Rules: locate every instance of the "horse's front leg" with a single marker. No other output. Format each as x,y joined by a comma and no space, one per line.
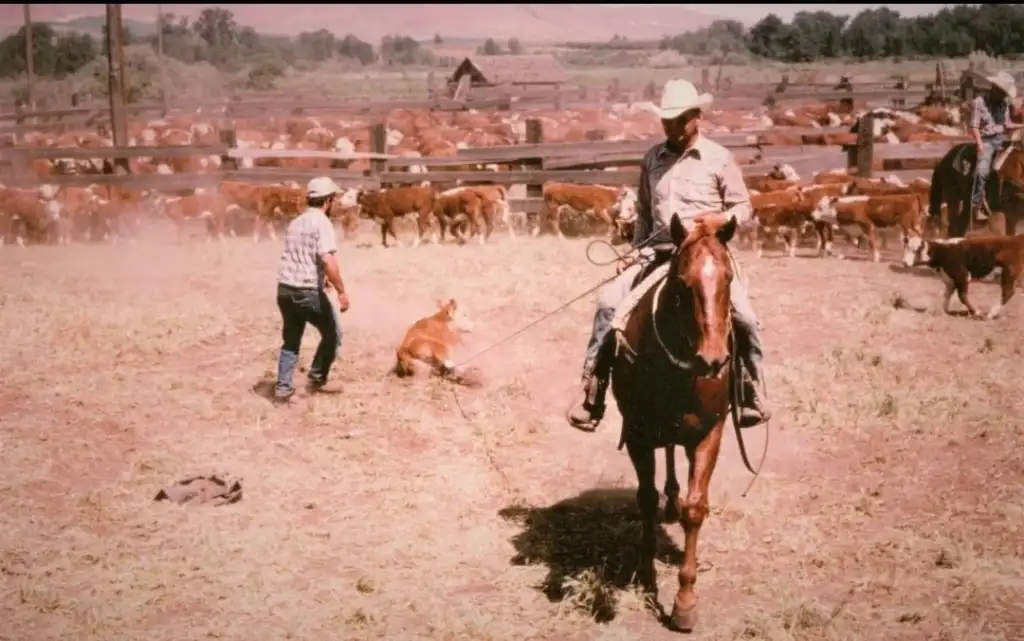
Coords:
693,510
671,486
647,501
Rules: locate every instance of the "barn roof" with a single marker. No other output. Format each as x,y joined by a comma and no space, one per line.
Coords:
518,69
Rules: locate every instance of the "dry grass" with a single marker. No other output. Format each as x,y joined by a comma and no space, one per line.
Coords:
890,507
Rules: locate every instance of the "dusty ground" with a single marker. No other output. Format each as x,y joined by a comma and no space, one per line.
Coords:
889,508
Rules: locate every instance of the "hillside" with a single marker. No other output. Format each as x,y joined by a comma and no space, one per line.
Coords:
528,22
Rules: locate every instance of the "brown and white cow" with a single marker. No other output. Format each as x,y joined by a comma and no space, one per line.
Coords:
867,213
774,214
205,205
960,260
613,205
385,205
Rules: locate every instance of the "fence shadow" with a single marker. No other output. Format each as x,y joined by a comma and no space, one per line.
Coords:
589,544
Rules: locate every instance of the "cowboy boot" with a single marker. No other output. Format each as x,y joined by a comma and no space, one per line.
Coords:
753,406
587,414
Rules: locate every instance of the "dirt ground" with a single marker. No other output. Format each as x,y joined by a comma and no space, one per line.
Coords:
889,507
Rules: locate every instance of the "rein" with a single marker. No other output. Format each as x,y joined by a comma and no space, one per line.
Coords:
734,371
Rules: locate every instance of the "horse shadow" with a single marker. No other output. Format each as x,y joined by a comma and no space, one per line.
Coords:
590,546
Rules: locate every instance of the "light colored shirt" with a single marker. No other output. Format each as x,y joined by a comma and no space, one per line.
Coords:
704,178
308,237
988,119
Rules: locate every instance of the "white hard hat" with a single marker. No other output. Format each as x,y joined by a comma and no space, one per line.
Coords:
320,187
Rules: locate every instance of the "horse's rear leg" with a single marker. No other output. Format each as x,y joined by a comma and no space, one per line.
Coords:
671,486
647,501
693,510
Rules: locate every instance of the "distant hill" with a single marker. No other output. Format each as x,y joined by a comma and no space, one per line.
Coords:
537,23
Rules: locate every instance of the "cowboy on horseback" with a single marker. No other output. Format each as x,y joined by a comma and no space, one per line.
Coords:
988,121
699,181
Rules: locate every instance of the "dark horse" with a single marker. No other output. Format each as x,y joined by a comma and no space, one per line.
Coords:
671,379
953,179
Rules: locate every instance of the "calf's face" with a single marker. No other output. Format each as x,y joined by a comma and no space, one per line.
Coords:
458,319
915,250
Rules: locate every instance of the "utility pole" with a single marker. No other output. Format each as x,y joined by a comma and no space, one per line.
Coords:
29,62
115,66
160,56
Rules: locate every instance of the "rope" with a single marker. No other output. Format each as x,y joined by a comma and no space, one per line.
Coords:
619,256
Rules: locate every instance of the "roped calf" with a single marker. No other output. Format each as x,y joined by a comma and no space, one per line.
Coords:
430,343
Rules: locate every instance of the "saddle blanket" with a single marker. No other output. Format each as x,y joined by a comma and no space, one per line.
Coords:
626,308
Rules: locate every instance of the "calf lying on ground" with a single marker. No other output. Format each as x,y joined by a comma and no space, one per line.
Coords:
959,260
431,341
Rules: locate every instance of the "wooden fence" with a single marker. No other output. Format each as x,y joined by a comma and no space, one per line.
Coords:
502,98
538,162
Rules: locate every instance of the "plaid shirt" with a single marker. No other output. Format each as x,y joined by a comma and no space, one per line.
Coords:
703,178
988,122
308,237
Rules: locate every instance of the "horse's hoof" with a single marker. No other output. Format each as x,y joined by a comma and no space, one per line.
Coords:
684,619
671,512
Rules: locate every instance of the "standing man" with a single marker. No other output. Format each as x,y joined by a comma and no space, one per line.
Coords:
309,261
698,180
988,121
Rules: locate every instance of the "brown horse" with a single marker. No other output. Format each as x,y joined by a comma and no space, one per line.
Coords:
1009,169
953,179
671,377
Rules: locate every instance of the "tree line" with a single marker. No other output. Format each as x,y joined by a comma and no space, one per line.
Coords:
996,29
214,37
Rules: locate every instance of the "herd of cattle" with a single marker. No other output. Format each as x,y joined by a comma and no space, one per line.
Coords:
784,205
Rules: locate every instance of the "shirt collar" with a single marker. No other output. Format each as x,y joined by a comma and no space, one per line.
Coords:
696,150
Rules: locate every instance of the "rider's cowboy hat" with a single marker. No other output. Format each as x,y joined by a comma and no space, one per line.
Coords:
1004,81
678,97
321,187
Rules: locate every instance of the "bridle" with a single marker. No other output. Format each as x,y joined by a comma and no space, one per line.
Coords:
686,365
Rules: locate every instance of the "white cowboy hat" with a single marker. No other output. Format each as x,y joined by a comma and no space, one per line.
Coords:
320,187
1004,81
678,97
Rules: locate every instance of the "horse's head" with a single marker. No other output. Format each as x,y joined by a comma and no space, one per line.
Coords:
703,275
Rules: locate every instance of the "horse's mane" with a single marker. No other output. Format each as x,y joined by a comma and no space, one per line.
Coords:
700,232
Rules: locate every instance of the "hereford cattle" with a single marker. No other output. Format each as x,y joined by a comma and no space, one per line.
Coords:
867,213
787,217
609,204
429,344
204,205
30,214
385,205
959,260
456,208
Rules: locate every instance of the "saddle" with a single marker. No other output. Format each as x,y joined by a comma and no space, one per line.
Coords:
966,159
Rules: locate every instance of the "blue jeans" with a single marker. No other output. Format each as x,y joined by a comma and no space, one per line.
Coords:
298,307
990,146
744,320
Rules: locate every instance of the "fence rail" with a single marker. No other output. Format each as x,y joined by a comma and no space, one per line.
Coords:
539,162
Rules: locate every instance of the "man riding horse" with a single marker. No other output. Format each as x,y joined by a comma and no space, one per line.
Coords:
988,122
699,181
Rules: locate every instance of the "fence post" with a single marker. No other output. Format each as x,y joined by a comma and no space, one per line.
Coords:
705,79
229,137
865,149
902,85
378,145
534,136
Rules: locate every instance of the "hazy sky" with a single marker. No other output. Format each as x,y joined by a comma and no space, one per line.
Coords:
751,13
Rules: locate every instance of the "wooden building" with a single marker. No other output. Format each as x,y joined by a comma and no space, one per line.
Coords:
539,71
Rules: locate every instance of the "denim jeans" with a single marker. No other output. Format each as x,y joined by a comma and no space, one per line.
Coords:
986,155
744,320
299,307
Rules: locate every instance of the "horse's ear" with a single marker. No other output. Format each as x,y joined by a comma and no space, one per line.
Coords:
726,231
675,227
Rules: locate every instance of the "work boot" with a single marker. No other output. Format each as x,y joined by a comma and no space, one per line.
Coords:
587,415
980,214
754,409
314,386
